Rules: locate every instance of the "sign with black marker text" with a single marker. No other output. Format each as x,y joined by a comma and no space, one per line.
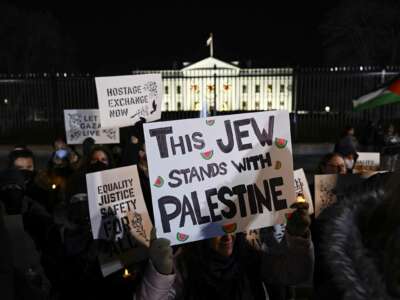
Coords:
123,100
118,215
81,124
219,175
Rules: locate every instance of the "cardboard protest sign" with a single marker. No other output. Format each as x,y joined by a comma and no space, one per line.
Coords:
84,123
324,191
219,175
367,162
301,188
123,100
118,215
331,186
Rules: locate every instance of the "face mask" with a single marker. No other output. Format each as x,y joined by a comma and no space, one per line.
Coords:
28,176
97,167
349,163
12,199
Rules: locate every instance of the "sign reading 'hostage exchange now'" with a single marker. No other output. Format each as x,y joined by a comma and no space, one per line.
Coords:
219,175
123,100
118,214
81,124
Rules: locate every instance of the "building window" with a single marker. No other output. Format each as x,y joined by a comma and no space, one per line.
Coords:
257,105
166,89
178,89
244,105
257,88
282,103
166,106
282,88
269,88
289,87
179,106
244,89
269,104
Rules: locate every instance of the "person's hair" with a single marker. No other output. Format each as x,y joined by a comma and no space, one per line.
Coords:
96,148
15,154
324,161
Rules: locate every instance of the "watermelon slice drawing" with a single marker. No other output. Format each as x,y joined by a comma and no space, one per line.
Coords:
159,182
288,216
210,122
181,236
229,228
207,154
280,143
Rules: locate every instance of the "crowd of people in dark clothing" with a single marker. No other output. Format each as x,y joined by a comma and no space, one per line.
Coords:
47,251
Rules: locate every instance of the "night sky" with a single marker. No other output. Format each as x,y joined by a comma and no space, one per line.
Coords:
116,36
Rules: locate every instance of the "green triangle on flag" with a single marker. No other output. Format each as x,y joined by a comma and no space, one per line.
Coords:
387,95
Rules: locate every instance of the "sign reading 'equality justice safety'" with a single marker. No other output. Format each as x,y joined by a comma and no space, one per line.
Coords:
219,175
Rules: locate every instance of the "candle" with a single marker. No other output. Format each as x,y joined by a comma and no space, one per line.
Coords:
126,274
300,198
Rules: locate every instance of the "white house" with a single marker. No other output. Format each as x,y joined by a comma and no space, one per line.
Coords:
230,87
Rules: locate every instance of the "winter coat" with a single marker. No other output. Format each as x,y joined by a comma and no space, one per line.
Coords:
347,266
25,278
293,265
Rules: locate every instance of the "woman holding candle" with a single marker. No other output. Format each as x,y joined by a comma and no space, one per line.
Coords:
227,267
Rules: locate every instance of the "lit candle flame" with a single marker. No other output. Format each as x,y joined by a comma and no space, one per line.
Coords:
126,274
53,186
300,198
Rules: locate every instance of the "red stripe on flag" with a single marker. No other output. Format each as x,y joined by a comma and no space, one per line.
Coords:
395,87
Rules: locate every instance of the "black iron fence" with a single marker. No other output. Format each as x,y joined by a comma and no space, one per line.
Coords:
31,106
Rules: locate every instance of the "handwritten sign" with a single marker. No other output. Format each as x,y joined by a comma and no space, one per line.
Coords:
331,187
118,215
367,162
301,188
324,191
219,175
85,123
123,100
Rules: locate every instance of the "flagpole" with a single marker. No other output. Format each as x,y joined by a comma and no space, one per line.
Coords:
212,45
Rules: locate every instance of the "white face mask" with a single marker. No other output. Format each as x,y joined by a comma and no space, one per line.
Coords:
349,163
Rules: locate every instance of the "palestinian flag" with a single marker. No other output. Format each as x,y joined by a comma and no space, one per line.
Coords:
388,94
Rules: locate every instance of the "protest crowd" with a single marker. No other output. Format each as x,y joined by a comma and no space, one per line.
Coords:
348,248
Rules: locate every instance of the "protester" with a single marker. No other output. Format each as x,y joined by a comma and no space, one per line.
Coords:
360,242
391,149
332,163
347,148
24,222
228,267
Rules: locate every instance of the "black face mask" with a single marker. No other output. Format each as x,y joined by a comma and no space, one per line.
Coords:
29,176
12,199
97,167
62,171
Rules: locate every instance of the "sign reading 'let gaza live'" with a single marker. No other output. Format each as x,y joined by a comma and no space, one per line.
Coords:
123,100
219,175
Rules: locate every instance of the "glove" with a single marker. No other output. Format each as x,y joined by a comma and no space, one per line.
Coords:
161,254
299,221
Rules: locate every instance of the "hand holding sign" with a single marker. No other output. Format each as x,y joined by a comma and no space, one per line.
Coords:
161,254
299,221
